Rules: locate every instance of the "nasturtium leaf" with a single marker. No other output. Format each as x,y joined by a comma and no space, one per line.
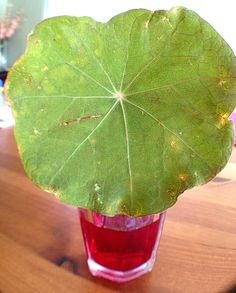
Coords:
122,117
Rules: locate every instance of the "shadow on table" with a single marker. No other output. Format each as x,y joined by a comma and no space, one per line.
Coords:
231,289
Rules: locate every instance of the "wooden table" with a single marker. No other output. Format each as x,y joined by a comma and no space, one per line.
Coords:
41,247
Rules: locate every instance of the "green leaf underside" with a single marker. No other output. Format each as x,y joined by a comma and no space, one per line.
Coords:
122,117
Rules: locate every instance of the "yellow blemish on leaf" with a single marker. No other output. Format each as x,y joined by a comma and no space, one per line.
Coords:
146,24
19,149
148,21
52,191
44,69
97,187
165,18
222,82
175,10
173,144
226,115
13,111
223,119
183,177
30,34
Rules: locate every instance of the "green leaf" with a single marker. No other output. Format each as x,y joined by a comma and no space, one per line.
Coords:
122,117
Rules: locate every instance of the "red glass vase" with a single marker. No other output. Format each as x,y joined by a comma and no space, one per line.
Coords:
120,248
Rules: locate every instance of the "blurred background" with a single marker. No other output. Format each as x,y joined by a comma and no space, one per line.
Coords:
220,14
18,18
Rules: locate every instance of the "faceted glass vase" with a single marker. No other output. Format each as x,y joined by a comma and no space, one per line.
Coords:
120,248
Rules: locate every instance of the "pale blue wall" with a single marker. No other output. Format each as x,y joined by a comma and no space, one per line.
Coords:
219,13
33,13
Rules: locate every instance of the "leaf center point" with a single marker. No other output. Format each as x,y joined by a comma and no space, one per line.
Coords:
119,96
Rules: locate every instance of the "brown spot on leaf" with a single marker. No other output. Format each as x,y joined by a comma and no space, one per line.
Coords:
81,119
183,177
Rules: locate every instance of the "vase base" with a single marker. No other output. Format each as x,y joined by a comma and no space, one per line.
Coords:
120,276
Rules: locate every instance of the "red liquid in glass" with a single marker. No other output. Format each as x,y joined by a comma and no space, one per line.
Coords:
119,250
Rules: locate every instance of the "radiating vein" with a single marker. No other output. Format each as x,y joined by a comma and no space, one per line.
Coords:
109,172
97,60
171,84
88,76
164,126
127,57
127,146
152,61
65,96
124,70
204,116
82,143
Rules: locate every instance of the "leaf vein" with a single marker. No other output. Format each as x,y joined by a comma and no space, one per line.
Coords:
65,96
127,148
171,85
152,61
127,56
97,60
88,76
82,143
164,126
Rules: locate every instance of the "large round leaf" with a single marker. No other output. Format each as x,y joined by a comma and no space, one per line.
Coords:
122,117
